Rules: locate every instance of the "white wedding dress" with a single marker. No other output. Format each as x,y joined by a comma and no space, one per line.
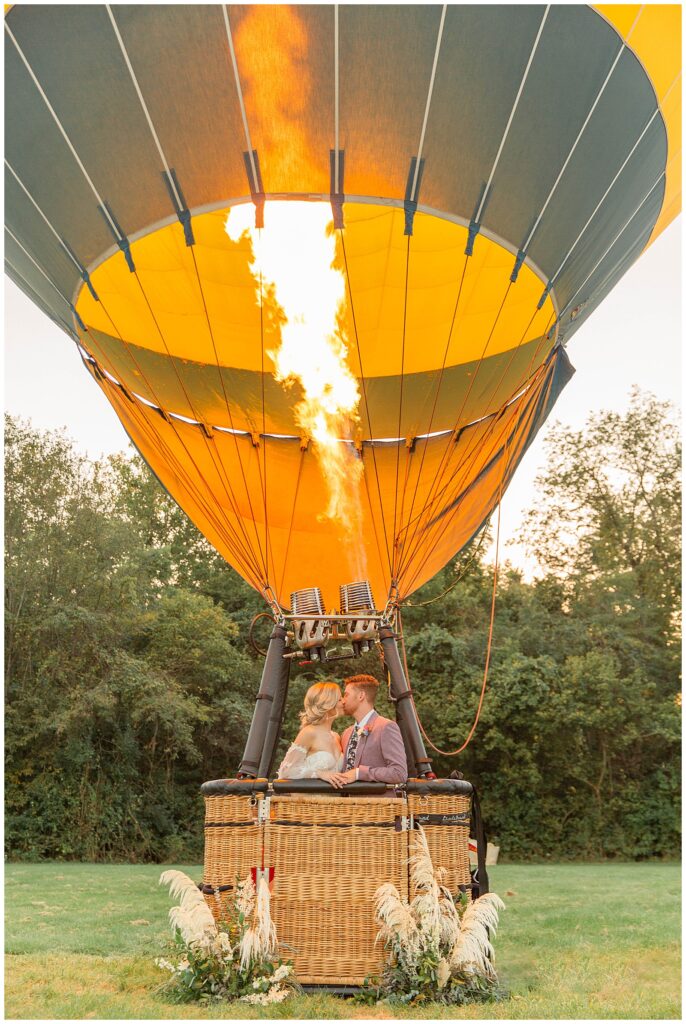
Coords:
298,764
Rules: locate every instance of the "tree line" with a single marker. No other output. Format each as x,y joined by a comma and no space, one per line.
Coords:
130,679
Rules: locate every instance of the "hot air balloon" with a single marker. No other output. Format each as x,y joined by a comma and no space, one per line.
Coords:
325,262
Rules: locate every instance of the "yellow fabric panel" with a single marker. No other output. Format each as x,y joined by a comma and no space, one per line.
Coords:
225,484
671,204
481,500
654,35
377,254
656,41
201,303
439,499
162,306
218,481
622,16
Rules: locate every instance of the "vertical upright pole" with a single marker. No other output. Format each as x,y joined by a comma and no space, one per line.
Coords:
272,676
404,711
275,720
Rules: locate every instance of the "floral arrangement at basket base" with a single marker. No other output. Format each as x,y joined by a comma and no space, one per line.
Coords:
234,958
440,951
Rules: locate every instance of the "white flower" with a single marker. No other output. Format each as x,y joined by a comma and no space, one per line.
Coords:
275,995
165,965
221,944
279,974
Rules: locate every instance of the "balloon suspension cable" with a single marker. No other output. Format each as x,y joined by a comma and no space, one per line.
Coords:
274,606
390,612
458,579
454,753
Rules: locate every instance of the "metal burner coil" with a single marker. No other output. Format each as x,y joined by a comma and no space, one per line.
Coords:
307,602
356,597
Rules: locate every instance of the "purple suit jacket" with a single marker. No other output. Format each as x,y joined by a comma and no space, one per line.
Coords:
380,754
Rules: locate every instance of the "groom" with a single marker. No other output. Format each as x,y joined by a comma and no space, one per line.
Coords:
373,748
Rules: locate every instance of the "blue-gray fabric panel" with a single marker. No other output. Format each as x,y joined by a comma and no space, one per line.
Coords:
75,55
40,156
632,187
613,267
616,124
26,223
574,55
180,55
561,373
27,271
463,394
34,297
471,103
386,55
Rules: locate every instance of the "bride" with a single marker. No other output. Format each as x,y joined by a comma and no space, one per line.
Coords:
316,752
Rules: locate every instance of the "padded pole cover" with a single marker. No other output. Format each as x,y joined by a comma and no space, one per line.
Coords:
275,721
405,713
272,676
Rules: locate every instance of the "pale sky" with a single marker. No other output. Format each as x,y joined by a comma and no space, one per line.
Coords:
632,338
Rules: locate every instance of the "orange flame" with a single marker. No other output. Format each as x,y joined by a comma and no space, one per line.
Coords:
272,46
293,257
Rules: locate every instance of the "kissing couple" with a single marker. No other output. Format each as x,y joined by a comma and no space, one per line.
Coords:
370,751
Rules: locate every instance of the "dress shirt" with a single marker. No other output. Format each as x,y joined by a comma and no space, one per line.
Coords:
359,726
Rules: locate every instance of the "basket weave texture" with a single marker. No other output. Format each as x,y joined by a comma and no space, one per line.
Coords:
445,820
233,844
328,855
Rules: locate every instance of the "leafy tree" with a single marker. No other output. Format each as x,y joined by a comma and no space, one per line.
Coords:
123,691
130,680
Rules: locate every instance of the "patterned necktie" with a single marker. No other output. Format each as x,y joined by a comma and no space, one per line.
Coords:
352,747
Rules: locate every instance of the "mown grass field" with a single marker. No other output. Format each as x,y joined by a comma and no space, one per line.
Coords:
576,941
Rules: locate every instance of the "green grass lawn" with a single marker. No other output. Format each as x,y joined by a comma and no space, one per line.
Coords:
576,941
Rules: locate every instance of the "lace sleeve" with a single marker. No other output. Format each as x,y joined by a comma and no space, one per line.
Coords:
294,764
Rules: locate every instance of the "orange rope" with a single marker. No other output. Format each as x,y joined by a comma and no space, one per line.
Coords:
453,753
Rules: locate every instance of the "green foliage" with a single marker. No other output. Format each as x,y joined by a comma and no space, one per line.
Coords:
464,987
226,960
577,752
439,950
124,690
130,680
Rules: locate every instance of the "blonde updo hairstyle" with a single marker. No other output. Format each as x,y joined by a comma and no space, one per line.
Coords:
320,699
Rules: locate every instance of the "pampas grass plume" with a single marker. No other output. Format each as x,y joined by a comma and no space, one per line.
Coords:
259,940
473,946
192,917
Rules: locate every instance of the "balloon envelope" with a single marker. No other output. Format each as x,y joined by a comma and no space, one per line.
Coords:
493,172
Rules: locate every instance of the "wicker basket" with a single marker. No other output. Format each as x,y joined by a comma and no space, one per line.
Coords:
326,856
233,845
445,820
329,856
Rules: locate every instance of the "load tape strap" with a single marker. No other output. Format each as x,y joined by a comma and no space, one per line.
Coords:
461,820
340,824
230,824
210,890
